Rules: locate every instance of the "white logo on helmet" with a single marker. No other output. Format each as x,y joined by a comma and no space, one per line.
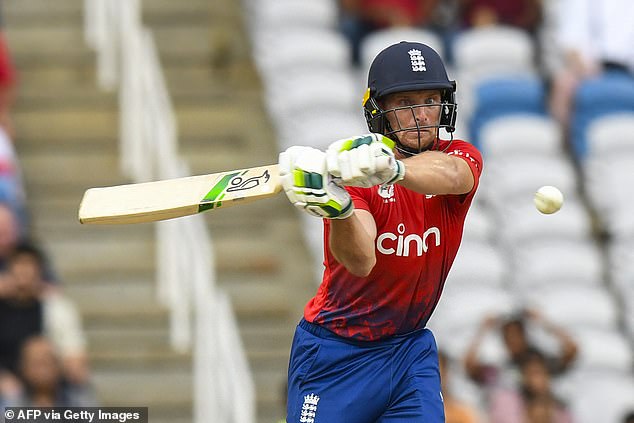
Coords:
387,242
417,60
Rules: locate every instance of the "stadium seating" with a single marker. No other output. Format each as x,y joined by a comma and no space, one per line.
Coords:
480,264
621,264
271,14
611,93
577,307
376,41
516,178
553,261
513,53
599,396
520,133
286,50
520,224
611,134
309,90
478,225
605,178
502,96
511,255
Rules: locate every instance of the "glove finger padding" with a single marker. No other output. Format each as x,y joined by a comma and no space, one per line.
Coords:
308,185
364,161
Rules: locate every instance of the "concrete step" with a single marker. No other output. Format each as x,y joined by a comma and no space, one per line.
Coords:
42,12
139,360
256,295
144,387
184,44
56,211
90,124
169,12
99,121
104,254
70,171
270,387
50,39
74,95
116,294
51,76
151,320
129,339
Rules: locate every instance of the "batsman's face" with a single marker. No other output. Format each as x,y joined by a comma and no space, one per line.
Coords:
414,114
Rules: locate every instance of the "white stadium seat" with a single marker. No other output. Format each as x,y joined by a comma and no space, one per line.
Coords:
266,14
312,90
605,178
575,306
320,129
376,41
494,50
478,224
621,264
521,134
556,261
456,342
461,307
611,134
603,399
478,264
282,50
602,350
504,181
521,223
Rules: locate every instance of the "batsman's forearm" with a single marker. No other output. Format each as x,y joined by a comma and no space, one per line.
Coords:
352,244
434,172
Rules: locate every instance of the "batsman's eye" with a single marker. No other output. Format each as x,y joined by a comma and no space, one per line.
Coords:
404,102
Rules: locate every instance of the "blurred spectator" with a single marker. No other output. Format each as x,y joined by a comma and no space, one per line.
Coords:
522,14
31,306
7,85
12,191
629,417
518,345
590,37
12,232
455,410
43,381
361,17
21,316
533,401
9,233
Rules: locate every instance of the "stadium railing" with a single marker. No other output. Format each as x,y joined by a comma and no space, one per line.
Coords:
201,316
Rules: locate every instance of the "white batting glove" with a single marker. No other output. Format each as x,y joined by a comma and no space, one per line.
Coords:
364,161
309,186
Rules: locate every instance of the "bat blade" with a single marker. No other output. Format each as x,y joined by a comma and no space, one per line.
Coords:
171,198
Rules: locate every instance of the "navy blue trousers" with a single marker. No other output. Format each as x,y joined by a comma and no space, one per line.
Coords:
332,379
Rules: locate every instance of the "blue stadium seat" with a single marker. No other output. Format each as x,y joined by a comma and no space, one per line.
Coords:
506,96
611,93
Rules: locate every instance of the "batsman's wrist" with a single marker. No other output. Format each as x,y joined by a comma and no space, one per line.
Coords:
346,212
399,172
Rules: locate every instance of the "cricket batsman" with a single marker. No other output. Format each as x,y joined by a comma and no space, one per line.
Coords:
393,203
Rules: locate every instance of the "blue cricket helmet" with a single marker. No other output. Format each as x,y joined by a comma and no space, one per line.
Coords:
407,66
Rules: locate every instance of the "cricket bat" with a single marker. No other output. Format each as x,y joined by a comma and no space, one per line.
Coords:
170,198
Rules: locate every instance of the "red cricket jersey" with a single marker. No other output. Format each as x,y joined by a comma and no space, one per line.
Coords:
418,237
